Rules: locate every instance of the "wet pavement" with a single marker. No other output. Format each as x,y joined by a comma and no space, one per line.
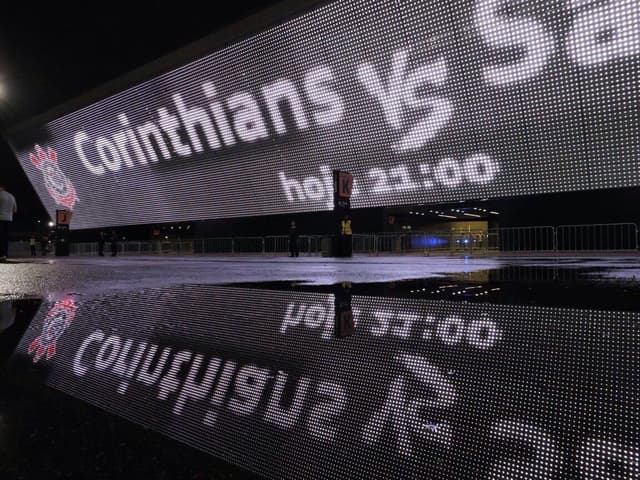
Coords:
379,367
88,276
40,278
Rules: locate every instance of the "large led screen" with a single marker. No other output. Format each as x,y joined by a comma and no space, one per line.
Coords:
424,389
423,101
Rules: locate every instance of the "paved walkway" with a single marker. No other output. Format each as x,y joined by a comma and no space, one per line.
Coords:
87,275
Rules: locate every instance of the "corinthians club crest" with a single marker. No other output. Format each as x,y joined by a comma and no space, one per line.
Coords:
58,184
55,324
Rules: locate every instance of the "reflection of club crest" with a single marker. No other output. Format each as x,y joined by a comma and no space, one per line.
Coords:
58,184
57,321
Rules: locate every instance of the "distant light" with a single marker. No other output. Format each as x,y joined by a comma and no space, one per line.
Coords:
166,238
179,228
411,213
51,224
495,213
447,216
472,215
38,221
171,228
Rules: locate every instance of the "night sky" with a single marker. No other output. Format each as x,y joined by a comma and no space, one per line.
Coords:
53,52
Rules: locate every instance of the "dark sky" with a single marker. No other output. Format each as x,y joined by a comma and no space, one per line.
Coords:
54,51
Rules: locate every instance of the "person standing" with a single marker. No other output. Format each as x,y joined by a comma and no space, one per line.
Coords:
114,243
294,250
32,245
102,239
8,207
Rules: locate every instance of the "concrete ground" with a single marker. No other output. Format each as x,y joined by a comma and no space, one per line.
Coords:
52,276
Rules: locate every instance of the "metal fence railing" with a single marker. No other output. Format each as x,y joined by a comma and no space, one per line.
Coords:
451,242
601,237
519,239
20,249
612,237
89,248
214,245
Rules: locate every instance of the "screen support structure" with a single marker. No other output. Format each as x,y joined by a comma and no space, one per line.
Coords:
63,220
342,187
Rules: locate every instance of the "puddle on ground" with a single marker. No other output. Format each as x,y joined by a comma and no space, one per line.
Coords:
513,373
594,287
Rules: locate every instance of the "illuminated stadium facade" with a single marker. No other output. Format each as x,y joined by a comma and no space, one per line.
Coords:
428,103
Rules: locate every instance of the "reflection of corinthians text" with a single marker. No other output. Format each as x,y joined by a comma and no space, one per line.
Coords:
415,411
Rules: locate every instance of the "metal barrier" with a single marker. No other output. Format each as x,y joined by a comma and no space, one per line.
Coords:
21,249
130,248
309,245
315,244
427,243
575,238
85,249
364,243
464,242
248,245
269,245
522,239
214,245
601,237
279,245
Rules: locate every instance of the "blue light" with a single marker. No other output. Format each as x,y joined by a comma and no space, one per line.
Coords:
427,242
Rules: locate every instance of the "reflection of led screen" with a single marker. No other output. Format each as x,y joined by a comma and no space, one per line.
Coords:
423,101
423,389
